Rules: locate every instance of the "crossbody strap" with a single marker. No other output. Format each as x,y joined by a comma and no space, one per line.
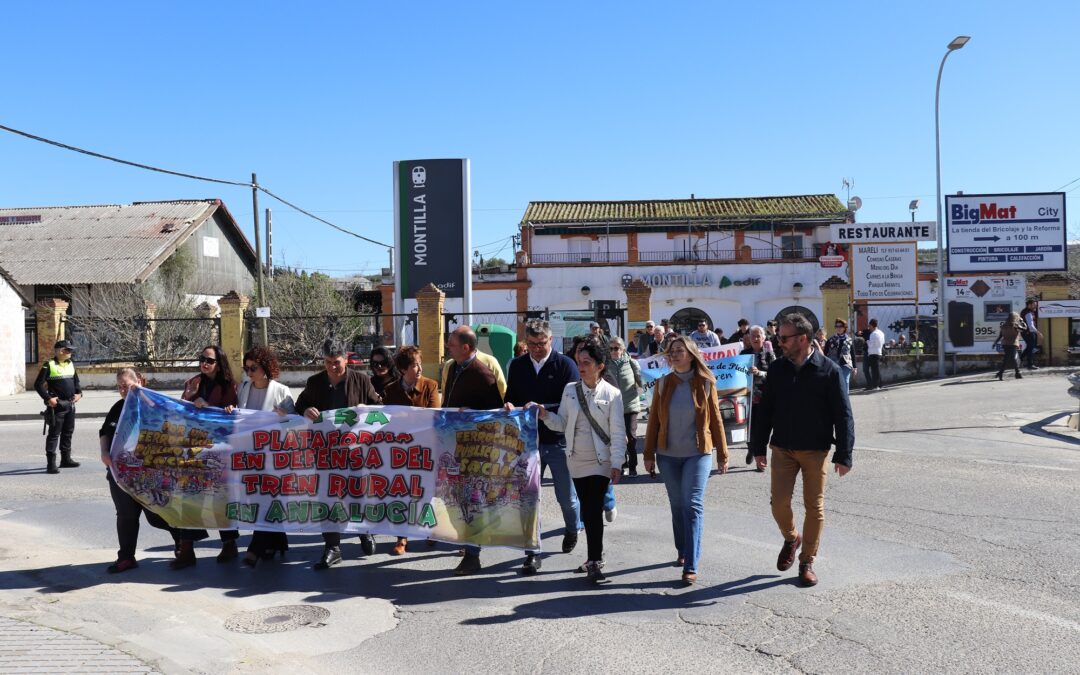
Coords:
588,415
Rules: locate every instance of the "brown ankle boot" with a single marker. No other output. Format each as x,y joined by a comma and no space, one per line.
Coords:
185,555
228,551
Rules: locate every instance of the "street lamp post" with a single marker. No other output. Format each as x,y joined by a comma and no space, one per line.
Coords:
957,43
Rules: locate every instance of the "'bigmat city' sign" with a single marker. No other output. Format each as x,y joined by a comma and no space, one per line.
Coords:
431,217
1006,233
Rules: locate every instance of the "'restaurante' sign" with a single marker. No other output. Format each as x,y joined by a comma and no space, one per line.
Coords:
860,233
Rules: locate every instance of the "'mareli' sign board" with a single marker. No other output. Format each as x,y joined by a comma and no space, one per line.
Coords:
884,271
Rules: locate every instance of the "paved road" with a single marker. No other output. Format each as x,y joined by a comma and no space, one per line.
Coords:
951,546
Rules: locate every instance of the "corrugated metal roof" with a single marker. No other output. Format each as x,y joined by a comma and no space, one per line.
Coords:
96,244
799,207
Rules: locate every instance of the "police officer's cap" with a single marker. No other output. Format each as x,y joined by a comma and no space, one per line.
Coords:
64,344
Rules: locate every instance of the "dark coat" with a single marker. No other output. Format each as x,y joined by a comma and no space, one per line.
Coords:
316,394
546,387
219,392
471,387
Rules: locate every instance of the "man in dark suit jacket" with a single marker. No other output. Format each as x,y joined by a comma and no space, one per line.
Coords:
336,387
539,376
470,384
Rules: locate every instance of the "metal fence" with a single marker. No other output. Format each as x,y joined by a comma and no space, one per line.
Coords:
910,321
167,341
511,320
299,340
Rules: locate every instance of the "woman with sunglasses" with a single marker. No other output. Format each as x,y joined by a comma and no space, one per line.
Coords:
838,349
262,391
412,389
215,387
383,371
623,372
684,429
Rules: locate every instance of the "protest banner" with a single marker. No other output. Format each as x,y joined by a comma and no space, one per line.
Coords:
468,477
734,384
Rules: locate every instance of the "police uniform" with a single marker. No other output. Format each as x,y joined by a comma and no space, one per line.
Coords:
58,379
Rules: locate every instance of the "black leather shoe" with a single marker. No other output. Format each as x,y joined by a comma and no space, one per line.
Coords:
569,541
367,544
749,456
532,564
68,463
331,555
470,564
228,552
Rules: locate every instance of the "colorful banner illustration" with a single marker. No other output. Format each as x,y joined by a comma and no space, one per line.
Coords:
734,384
462,477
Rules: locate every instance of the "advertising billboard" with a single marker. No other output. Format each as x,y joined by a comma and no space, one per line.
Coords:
976,308
1006,233
884,272
432,223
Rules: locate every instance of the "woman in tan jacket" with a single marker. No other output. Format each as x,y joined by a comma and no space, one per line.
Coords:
1009,337
684,428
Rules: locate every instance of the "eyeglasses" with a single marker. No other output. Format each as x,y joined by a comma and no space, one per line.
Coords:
839,325
250,369
537,344
207,359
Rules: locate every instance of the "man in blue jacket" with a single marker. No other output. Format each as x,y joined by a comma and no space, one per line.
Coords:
805,409
539,376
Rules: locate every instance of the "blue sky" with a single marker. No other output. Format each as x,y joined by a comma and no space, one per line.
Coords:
594,101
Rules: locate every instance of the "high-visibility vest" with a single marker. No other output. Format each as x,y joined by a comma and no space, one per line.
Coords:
60,370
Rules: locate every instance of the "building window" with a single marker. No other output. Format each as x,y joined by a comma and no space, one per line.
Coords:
792,246
580,249
684,248
211,247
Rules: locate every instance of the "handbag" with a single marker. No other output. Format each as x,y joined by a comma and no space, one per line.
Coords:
588,415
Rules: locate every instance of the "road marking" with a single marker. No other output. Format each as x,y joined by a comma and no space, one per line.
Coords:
895,452
1026,466
1018,611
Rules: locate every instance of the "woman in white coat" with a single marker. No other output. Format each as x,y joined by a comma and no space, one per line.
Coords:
262,391
591,416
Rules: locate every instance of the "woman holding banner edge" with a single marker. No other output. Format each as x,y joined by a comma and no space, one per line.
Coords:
591,415
684,429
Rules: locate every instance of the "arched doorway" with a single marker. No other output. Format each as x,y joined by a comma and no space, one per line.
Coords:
799,309
685,320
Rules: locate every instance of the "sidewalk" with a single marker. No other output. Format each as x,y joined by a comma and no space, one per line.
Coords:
28,405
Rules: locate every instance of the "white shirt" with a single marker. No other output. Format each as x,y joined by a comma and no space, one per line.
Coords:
537,365
876,342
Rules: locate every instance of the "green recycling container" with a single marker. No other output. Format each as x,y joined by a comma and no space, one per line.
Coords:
496,340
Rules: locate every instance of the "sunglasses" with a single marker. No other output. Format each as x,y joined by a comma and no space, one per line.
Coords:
250,369
207,359
379,364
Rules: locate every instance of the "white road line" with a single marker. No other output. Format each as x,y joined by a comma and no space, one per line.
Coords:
1018,611
1026,466
895,452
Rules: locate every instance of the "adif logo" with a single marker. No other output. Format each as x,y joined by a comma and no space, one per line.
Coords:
752,281
419,175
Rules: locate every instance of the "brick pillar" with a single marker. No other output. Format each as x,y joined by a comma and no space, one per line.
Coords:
429,305
638,308
232,328
1055,340
632,248
387,309
50,326
835,301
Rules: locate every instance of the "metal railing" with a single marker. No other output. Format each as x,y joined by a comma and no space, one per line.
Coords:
298,340
141,340
771,254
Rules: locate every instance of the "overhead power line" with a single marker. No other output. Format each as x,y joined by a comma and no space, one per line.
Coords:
192,176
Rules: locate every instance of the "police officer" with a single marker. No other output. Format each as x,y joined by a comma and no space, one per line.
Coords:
58,385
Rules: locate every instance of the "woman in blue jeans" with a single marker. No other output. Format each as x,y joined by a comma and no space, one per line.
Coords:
683,430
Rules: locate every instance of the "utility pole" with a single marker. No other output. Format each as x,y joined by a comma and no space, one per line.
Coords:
269,243
258,257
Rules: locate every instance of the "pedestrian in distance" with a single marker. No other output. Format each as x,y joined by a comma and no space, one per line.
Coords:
411,389
520,348
1030,318
684,429
590,413
262,391
383,371
336,387
804,409
213,387
58,385
763,358
644,337
838,349
128,510
540,377
703,337
819,340
1009,339
623,372
469,385
657,341
875,343
740,332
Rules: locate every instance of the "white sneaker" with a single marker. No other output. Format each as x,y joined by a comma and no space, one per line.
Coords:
611,515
